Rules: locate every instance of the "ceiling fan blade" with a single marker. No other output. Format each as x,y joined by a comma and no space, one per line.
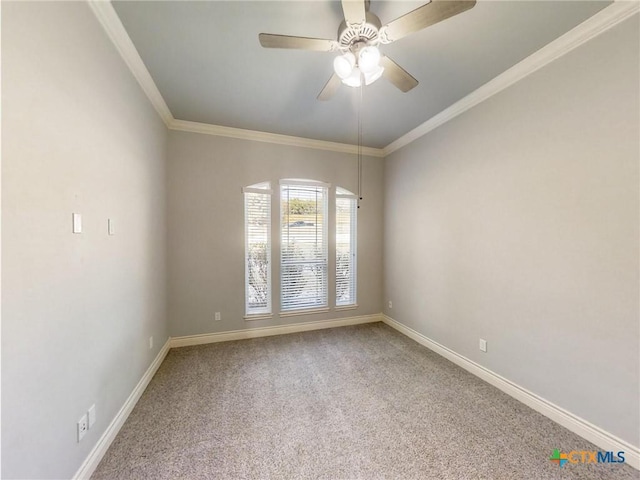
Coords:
353,11
397,75
422,17
330,88
268,40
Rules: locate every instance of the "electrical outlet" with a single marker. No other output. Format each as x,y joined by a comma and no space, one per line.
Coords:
217,317
83,426
150,343
483,345
92,415
390,304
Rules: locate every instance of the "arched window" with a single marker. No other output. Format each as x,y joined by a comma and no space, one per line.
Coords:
303,227
304,245
346,247
257,225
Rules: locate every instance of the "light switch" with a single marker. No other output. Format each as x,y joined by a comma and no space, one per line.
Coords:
110,227
77,223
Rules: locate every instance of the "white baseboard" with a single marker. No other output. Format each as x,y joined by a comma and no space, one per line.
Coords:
93,459
268,331
577,425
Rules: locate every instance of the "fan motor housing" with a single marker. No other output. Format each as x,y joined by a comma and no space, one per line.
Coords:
365,32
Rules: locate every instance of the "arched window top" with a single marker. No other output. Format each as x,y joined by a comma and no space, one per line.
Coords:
303,181
262,187
343,192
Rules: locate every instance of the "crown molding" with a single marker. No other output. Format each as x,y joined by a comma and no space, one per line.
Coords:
108,18
220,131
602,21
112,25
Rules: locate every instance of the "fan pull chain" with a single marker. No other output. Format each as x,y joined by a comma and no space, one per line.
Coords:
360,140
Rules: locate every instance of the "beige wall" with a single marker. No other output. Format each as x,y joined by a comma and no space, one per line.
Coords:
517,222
206,226
78,135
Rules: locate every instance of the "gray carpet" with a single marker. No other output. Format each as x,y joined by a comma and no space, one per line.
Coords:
360,402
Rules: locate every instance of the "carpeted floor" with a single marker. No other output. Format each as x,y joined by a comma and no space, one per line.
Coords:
360,402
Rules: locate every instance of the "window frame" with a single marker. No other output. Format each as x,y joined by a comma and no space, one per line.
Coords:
263,188
342,193
324,305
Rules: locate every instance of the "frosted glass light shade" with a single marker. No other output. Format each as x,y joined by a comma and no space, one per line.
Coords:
374,75
343,65
367,65
353,80
368,59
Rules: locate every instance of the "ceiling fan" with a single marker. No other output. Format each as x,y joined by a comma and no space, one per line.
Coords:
359,35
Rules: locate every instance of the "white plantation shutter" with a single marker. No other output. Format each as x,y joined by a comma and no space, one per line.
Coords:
346,260
257,224
304,254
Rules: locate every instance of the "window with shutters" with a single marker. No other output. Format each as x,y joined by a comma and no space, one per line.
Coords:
257,222
346,208
304,246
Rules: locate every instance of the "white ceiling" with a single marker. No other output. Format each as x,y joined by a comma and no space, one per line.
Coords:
208,65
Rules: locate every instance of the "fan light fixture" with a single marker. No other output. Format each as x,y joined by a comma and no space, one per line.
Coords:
359,35
350,69
344,65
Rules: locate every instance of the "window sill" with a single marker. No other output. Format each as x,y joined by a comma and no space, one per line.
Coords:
304,312
258,316
346,307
